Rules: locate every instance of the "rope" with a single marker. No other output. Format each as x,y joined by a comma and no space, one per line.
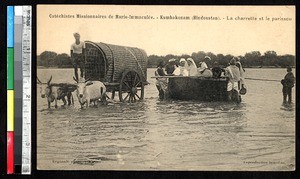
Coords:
261,79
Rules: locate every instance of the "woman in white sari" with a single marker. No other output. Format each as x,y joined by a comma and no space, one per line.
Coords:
183,67
192,68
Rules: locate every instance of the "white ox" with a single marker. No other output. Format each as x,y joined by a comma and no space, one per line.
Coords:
90,91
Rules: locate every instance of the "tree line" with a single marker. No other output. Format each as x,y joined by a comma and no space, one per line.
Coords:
251,59
52,59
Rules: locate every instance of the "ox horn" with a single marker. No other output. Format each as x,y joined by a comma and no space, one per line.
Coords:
39,81
75,79
49,80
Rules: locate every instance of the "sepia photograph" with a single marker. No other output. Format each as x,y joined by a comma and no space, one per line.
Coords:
166,88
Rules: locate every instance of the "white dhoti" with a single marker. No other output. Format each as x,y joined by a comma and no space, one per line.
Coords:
232,85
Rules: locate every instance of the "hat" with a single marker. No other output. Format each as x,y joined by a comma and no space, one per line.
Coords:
207,57
76,34
172,60
182,60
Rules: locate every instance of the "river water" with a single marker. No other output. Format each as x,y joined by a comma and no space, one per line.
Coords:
258,134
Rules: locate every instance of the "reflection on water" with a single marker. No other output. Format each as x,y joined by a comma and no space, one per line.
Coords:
169,135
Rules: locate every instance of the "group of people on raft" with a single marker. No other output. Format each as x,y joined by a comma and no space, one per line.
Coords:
234,71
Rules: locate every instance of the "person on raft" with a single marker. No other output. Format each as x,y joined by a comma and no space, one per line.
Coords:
78,55
161,83
176,72
287,85
203,69
170,67
183,67
233,73
217,70
192,67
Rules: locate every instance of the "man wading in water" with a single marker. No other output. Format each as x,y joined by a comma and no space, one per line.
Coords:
288,83
161,83
233,72
78,55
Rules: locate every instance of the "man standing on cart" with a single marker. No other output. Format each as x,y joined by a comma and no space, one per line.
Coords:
78,55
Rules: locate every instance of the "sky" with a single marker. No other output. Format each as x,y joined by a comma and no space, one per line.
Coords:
161,37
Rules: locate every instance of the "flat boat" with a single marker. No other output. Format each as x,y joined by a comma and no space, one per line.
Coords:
197,88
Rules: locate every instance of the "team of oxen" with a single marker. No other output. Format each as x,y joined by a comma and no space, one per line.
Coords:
87,92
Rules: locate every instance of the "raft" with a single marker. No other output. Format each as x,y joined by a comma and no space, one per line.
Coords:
197,88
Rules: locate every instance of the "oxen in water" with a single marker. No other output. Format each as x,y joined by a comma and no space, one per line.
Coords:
54,92
90,91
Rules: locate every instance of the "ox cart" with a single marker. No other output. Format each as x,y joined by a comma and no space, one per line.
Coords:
121,69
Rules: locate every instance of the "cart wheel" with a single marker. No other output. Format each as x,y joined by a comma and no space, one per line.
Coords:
131,87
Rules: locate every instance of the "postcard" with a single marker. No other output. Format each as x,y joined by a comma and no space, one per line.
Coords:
168,88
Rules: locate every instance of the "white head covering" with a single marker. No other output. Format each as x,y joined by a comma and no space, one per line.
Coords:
203,65
192,61
207,57
172,60
185,62
184,69
182,60
192,68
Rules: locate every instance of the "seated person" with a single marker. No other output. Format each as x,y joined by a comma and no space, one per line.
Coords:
203,70
170,67
183,67
217,70
192,68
